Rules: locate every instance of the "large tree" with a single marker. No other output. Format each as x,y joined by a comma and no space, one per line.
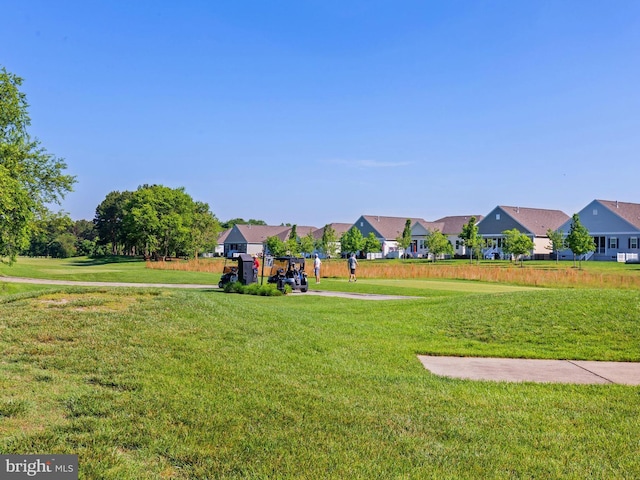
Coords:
579,240
204,229
30,177
108,220
47,230
159,220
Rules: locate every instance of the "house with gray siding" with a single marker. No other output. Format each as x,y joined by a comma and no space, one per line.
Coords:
615,228
533,222
250,238
386,230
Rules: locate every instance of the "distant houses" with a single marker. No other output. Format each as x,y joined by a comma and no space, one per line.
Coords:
533,222
614,226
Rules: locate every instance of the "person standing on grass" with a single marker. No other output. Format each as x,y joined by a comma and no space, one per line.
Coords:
316,267
256,267
353,263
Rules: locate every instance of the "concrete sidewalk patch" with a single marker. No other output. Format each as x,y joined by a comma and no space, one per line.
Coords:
524,370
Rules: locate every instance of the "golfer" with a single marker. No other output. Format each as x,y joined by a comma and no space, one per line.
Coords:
353,263
316,267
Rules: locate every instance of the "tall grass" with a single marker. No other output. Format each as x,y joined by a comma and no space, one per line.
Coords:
542,274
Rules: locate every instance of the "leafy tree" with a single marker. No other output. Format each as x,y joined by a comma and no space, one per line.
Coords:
517,244
438,244
30,177
307,243
84,230
405,239
371,244
556,239
328,241
471,238
158,220
293,235
276,247
108,220
579,240
240,221
204,228
64,246
45,232
351,241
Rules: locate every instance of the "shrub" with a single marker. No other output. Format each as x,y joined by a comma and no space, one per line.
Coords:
253,289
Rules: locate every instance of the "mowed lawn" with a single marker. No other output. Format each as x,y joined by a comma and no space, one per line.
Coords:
164,383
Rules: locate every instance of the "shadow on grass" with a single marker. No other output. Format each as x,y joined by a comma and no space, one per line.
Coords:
91,262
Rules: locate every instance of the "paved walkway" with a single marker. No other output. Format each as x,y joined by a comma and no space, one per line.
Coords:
322,293
522,370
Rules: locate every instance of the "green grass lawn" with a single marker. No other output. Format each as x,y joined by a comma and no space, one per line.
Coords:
113,269
153,383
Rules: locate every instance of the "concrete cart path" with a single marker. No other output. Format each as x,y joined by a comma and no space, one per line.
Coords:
543,371
322,293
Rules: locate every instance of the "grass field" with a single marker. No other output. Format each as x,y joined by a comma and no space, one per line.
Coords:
164,383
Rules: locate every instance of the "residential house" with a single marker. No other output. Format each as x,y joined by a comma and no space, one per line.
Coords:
615,228
219,250
451,226
533,222
250,238
339,229
386,230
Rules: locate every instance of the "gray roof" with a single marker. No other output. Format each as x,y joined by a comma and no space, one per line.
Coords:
260,233
452,225
391,228
628,211
339,228
536,220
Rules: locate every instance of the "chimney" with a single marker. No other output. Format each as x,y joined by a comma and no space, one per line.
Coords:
616,203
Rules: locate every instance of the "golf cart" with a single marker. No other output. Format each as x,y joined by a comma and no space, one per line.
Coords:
288,271
241,272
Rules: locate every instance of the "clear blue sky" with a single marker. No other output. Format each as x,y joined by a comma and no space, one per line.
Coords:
312,112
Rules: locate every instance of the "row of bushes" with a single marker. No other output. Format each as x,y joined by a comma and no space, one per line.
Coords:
268,290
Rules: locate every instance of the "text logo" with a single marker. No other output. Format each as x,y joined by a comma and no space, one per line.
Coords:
49,467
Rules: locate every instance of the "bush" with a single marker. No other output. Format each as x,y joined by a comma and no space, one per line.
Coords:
253,289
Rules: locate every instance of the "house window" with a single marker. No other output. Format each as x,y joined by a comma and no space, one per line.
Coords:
595,211
633,242
362,224
613,242
497,216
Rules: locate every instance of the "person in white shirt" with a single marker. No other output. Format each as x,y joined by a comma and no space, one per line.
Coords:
316,267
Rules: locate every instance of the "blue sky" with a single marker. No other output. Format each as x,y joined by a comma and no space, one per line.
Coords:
312,112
